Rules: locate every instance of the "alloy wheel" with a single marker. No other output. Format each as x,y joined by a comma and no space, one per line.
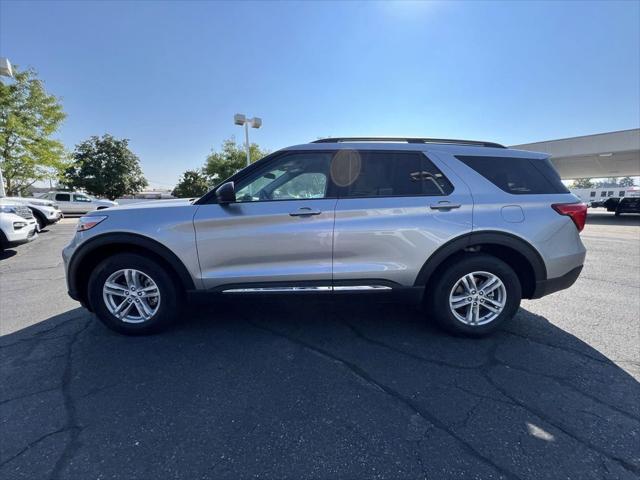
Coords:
131,295
477,298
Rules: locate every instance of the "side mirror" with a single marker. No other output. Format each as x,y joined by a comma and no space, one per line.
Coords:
226,193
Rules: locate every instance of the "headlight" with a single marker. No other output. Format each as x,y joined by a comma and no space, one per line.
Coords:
88,222
7,209
19,225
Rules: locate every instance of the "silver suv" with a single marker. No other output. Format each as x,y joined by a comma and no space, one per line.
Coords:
468,228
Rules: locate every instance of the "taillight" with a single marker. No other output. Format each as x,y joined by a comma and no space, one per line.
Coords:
577,212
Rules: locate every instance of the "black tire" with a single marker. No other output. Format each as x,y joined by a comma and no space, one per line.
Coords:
439,289
170,294
42,222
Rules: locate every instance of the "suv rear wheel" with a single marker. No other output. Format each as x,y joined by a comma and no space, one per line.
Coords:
133,295
474,295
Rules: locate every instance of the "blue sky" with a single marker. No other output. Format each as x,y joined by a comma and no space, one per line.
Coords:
170,75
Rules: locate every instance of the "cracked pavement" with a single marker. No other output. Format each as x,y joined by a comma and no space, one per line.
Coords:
308,388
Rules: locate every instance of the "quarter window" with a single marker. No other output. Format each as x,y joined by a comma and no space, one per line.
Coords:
518,176
592,194
387,174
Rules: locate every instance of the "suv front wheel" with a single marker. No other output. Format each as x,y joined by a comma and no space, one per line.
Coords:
474,295
133,295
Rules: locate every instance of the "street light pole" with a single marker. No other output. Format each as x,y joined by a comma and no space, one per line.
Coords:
6,71
255,122
246,142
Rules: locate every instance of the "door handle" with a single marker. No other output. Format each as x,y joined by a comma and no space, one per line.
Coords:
444,206
305,212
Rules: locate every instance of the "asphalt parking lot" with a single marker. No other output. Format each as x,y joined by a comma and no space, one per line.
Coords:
315,389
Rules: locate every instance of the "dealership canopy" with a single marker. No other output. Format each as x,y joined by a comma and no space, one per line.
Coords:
613,154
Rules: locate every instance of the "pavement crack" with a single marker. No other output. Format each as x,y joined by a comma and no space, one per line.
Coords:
378,343
95,391
31,445
420,358
360,373
576,351
541,415
30,394
470,414
562,381
36,335
70,408
556,378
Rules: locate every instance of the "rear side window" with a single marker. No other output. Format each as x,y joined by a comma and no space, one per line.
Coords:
518,176
387,174
63,197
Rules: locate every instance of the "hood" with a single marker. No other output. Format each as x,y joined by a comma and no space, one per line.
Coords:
6,202
143,204
31,201
103,201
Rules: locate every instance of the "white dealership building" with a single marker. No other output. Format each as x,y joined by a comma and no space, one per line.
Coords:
613,154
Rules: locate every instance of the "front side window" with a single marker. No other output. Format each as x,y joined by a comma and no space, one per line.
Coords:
603,194
610,193
387,174
518,176
298,176
621,193
63,197
81,198
592,194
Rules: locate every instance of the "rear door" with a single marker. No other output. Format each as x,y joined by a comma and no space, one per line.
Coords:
278,235
64,202
395,209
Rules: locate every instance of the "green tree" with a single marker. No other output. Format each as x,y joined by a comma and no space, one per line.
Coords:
221,165
582,183
105,166
626,182
193,183
29,116
608,183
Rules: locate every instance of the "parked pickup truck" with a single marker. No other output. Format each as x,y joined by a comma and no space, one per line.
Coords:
78,202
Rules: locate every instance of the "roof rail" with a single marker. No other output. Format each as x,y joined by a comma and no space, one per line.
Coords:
449,141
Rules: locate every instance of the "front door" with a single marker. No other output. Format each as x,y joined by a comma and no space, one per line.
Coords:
81,203
278,234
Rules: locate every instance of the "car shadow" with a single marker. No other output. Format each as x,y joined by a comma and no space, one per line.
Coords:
4,254
601,218
306,388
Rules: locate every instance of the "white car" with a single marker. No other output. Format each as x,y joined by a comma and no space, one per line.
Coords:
78,202
17,224
45,212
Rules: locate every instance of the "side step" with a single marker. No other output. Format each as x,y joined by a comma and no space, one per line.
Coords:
338,288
